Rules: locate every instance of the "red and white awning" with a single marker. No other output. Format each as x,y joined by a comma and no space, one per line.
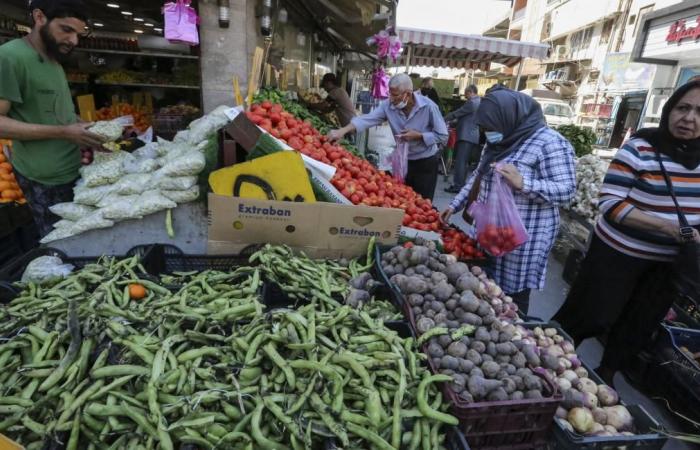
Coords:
427,48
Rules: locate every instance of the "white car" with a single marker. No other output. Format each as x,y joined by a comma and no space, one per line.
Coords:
556,113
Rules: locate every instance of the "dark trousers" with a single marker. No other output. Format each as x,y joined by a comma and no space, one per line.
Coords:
522,299
422,175
40,197
618,295
466,158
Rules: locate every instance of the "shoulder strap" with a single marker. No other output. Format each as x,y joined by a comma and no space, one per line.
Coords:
681,217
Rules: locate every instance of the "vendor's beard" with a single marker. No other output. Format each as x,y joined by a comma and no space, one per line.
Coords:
53,48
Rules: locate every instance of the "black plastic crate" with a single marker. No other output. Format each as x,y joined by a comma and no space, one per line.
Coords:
455,439
647,439
670,354
644,423
160,259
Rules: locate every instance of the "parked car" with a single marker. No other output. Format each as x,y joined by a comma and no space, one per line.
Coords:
556,111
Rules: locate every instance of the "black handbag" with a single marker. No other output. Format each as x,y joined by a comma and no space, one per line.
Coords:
686,273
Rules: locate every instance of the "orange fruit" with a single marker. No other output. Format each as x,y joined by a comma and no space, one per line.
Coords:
137,291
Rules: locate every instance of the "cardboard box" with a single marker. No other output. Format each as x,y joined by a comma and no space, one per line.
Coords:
321,230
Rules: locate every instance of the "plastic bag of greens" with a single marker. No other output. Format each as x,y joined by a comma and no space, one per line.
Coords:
58,234
46,269
134,183
94,221
70,210
106,169
204,127
90,196
120,207
188,195
191,163
63,223
175,183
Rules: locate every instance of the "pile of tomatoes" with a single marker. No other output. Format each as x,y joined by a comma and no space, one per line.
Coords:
460,245
498,241
357,179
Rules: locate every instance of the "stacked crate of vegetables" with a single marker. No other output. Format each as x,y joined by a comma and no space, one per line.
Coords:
202,365
463,320
357,179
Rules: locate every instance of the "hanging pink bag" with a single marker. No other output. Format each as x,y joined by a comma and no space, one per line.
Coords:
181,23
499,228
398,159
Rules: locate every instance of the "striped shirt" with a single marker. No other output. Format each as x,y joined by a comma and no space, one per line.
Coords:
635,181
546,162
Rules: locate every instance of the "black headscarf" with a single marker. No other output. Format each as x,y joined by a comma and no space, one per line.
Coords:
682,151
517,116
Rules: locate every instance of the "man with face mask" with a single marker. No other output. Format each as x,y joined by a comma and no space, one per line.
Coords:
36,109
413,118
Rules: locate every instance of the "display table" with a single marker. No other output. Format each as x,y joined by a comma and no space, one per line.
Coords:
189,223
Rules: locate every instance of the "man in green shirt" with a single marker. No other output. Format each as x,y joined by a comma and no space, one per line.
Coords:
36,109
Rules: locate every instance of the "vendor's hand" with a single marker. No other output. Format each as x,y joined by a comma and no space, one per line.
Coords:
335,135
78,133
696,235
512,176
445,216
411,135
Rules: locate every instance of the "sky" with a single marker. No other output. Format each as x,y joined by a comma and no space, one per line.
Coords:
453,16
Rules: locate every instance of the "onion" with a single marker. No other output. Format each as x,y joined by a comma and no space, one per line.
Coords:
476,270
557,339
607,396
619,417
550,332
575,362
561,413
564,384
569,375
581,372
538,332
508,299
581,419
590,401
596,428
586,385
568,347
555,350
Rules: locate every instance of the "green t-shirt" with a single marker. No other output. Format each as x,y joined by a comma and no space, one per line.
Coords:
39,94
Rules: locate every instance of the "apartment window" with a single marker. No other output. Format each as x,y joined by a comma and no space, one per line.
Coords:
607,31
581,39
640,17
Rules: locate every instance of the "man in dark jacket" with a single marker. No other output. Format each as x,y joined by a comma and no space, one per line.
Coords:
428,90
468,150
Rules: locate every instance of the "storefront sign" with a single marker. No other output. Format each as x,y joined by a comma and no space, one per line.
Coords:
619,74
679,31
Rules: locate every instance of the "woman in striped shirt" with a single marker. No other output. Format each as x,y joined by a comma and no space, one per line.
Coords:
623,288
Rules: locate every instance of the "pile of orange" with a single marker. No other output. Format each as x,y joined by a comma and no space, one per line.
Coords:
9,189
142,120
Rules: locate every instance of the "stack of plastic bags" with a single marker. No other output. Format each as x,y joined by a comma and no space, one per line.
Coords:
120,186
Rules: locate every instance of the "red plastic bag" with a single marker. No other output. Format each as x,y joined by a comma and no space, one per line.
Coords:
452,138
398,159
499,228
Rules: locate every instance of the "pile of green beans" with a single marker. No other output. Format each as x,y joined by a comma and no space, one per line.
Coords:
85,366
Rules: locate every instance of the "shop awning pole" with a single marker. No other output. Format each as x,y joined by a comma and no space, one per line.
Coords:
520,72
409,55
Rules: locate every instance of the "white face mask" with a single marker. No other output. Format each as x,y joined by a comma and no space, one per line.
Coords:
400,105
493,137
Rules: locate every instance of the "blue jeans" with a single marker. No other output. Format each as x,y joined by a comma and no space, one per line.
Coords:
466,155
